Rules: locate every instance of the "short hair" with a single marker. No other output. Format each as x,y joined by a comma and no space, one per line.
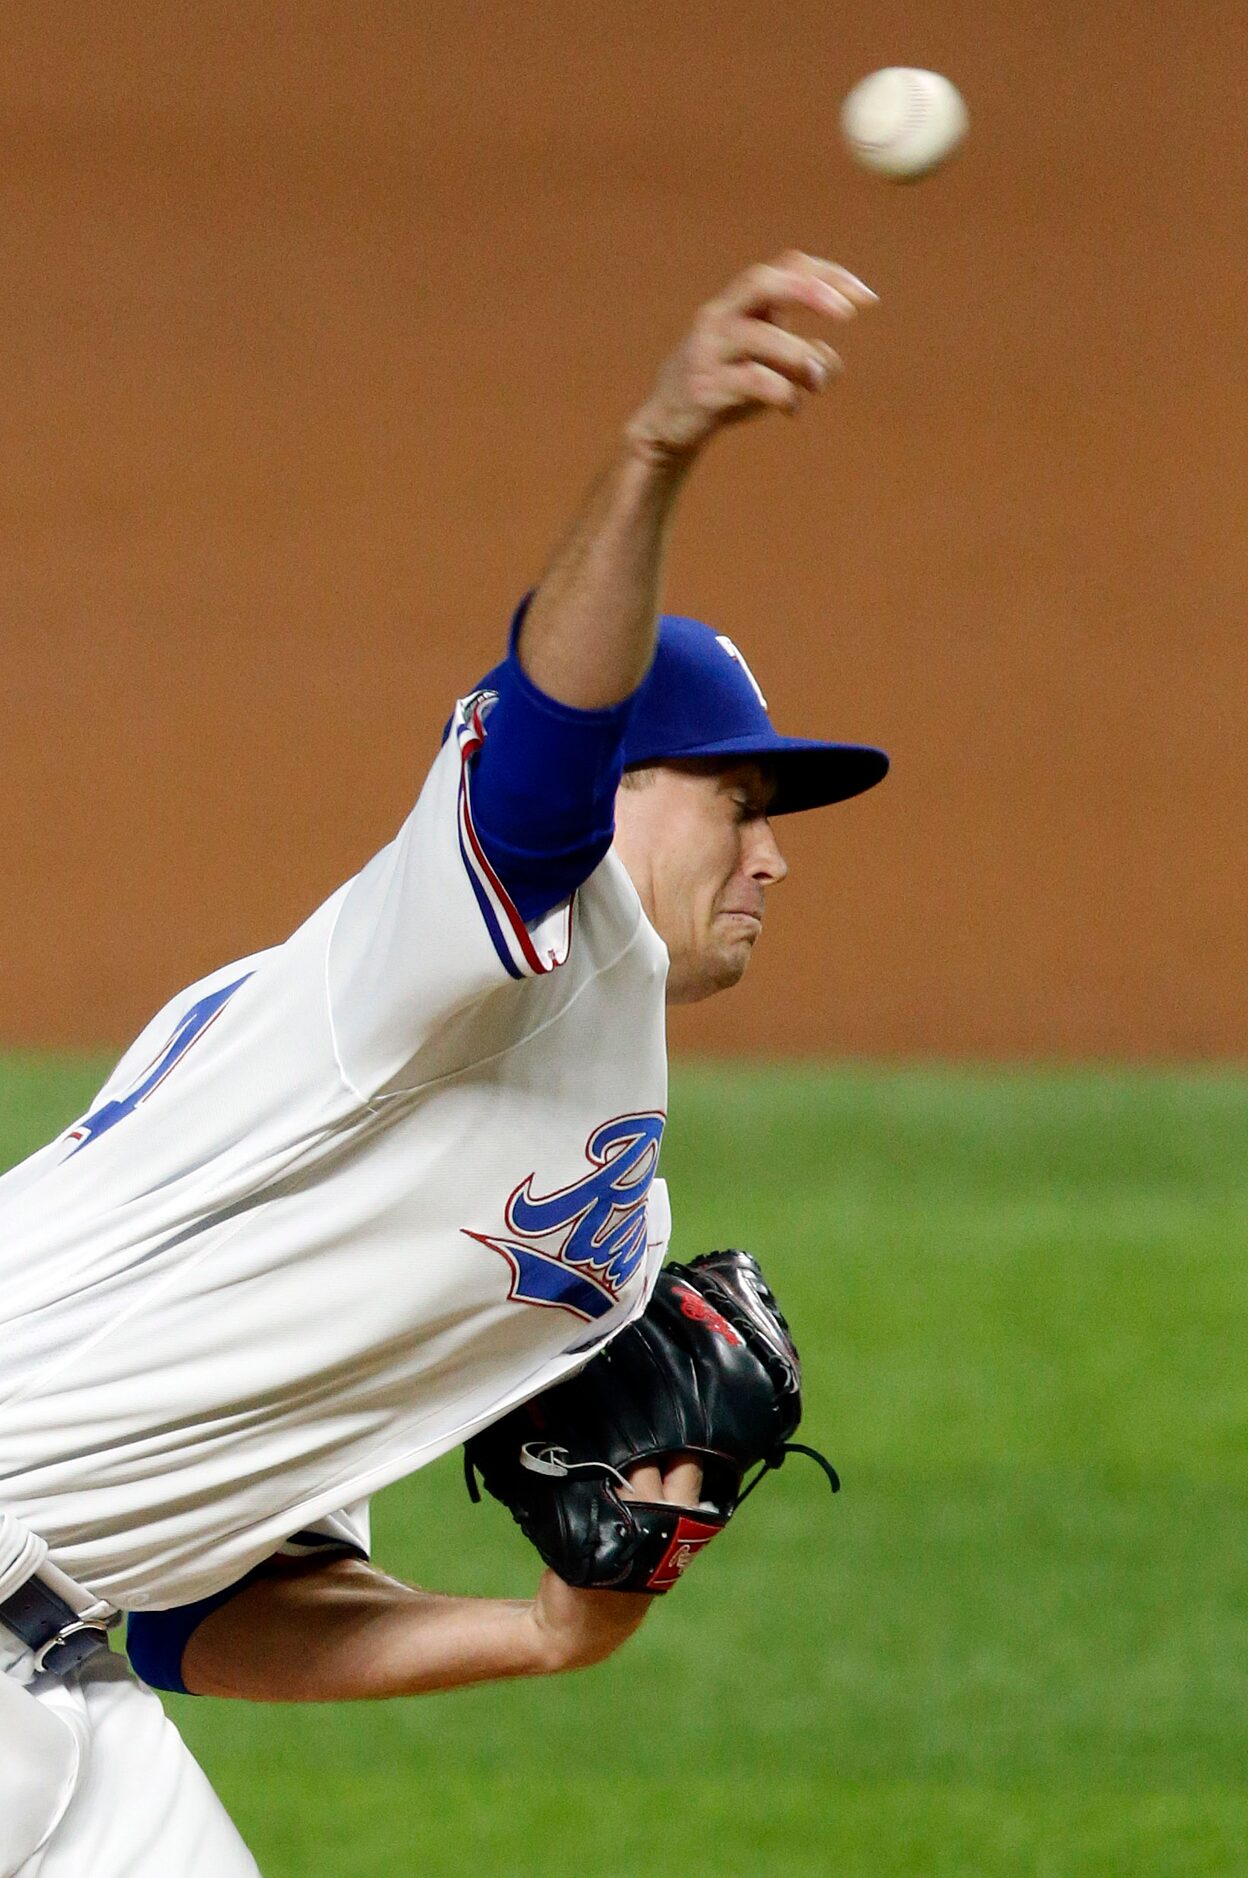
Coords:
640,776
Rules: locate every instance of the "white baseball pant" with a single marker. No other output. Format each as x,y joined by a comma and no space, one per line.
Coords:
96,1782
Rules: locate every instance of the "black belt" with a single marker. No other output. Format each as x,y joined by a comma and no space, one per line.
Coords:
59,1638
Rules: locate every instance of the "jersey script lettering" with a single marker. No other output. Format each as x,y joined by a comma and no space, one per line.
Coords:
578,1247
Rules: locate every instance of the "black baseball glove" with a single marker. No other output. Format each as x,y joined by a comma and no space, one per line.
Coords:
708,1370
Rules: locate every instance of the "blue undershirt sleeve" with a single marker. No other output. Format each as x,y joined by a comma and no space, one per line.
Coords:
155,1640
543,788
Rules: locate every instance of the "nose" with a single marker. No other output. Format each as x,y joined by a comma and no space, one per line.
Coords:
766,863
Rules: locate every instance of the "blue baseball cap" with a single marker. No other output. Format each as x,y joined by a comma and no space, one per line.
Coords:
700,699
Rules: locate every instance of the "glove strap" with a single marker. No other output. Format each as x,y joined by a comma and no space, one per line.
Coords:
687,1540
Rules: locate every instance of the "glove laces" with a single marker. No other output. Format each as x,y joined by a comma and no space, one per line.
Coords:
546,1458
776,1459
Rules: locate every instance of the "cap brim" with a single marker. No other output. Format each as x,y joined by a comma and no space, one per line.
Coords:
809,775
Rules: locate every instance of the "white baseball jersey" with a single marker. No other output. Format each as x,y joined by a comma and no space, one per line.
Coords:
341,1204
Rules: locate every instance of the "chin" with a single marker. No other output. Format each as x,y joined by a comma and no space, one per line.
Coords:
719,972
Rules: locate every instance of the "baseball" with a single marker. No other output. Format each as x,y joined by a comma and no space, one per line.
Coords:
903,122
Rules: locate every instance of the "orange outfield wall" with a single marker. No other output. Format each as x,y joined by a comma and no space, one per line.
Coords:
317,321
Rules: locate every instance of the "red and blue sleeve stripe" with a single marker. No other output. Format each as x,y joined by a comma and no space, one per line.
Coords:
536,807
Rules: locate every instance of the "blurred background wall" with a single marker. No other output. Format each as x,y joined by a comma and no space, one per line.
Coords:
317,320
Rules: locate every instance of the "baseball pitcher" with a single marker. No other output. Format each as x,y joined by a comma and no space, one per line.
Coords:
392,1187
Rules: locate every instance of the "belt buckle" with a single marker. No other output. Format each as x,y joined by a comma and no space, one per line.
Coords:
93,1632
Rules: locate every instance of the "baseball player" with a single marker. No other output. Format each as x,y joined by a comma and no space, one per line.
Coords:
348,1202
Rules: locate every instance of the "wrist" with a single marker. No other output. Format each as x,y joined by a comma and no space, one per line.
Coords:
545,1647
577,1628
662,460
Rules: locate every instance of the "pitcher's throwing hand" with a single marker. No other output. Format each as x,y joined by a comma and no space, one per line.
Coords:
741,356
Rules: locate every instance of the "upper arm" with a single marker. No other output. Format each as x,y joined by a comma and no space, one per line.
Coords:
543,789
156,1641
262,1644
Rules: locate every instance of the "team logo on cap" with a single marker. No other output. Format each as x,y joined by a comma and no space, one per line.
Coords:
577,1248
734,652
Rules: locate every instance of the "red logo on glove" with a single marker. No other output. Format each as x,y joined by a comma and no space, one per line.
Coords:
687,1541
696,1307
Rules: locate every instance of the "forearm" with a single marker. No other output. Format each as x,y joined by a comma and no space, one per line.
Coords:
588,635
346,1632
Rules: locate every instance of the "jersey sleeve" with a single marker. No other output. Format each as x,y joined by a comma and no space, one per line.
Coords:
426,928
543,790
430,925
157,1640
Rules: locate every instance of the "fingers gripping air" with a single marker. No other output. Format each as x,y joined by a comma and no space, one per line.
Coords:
710,1370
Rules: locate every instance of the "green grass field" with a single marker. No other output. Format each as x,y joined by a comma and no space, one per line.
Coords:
1018,1641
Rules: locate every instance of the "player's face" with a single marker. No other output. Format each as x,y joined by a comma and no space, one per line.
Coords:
701,853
